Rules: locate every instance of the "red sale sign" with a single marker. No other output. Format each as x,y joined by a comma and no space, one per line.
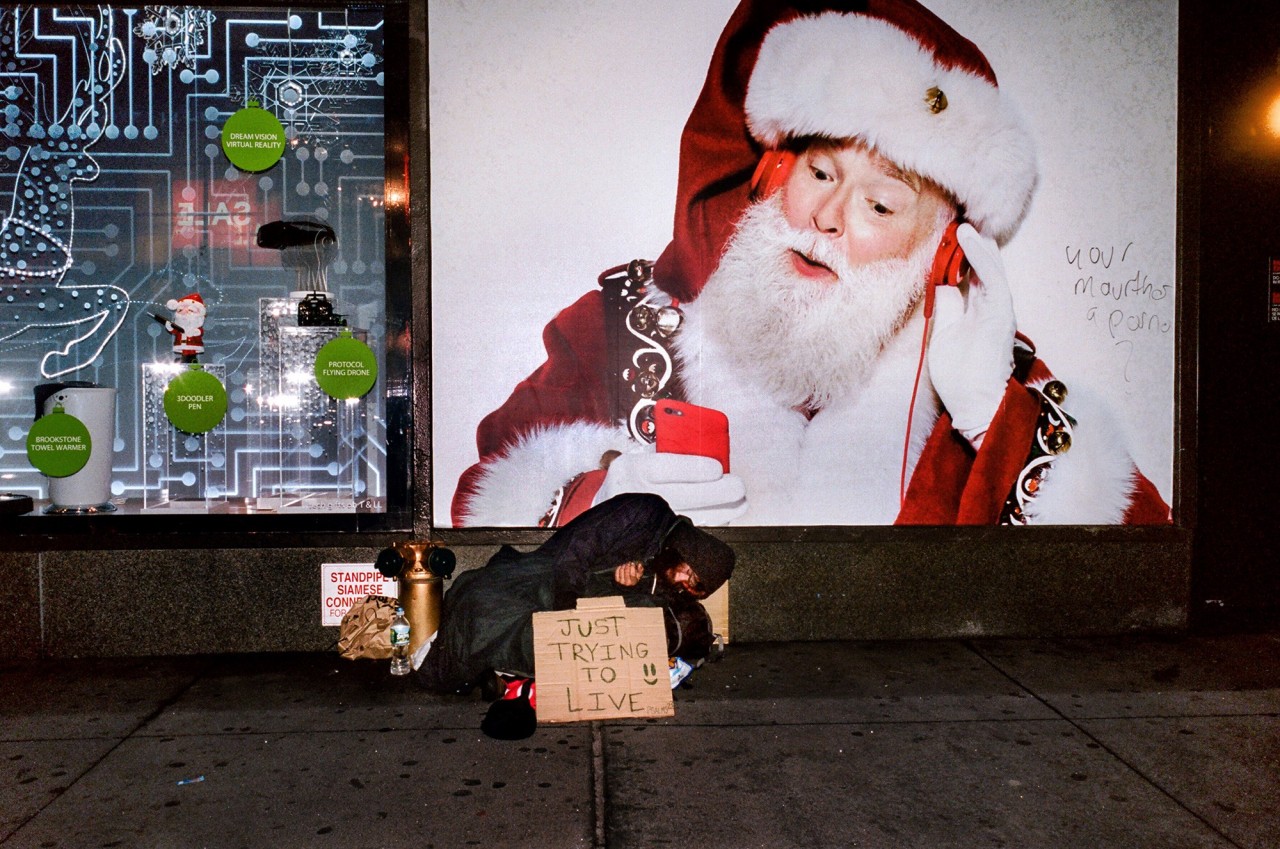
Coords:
224,214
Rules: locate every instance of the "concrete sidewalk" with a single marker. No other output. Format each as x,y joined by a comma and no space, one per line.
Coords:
1131,743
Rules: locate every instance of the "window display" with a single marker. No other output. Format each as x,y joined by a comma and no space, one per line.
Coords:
197,259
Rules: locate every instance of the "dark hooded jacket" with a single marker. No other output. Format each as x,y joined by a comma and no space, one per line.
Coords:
486,621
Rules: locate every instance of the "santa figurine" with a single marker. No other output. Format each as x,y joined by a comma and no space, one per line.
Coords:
186,327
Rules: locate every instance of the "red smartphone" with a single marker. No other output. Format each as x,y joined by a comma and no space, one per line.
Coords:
683,428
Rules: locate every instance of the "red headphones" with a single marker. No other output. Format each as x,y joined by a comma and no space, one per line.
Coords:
772,171
949,265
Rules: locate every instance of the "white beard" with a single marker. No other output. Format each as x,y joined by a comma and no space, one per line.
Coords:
769,348
189,323
807,343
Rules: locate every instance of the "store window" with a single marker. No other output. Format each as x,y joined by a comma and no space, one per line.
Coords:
203,261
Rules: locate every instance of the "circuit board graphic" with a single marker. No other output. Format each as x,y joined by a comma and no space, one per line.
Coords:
116,197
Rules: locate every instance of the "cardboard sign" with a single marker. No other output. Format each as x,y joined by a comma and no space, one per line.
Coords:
343,584
602,661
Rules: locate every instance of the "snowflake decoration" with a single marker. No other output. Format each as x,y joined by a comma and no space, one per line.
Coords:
173,35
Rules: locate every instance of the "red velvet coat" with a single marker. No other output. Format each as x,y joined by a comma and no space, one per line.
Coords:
951,484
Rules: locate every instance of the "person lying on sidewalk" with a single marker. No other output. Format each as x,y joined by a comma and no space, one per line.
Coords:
632,545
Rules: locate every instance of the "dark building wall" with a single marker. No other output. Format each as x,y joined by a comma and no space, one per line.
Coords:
1232,75
852,585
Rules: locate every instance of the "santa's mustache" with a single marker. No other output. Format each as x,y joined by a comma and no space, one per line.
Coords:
814,248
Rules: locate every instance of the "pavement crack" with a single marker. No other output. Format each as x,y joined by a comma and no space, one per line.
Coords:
598,787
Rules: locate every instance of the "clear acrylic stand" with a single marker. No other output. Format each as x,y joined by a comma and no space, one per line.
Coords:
311,458
183,472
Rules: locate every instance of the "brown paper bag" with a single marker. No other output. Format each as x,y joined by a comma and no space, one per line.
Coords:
365,631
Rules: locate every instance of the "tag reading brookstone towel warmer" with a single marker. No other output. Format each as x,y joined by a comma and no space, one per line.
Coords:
59,444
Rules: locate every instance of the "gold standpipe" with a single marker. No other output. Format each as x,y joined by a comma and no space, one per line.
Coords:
426,563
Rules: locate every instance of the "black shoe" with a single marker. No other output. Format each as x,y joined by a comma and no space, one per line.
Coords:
512,718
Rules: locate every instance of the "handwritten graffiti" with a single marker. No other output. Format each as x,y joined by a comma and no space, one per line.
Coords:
1121,298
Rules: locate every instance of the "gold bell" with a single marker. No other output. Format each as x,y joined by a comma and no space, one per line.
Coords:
1056,391
640,271
1058,442
936,98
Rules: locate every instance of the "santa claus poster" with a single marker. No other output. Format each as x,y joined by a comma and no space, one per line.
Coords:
555,156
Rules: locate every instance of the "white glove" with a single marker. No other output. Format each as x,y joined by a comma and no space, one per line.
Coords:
694,486
971,345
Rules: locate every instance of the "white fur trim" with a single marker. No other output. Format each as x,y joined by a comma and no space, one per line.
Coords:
1093,482
516,488
842,467
853,76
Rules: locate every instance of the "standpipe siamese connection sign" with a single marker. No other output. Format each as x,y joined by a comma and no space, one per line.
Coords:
344,584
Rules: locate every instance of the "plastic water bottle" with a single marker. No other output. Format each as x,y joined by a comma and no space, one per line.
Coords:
400,644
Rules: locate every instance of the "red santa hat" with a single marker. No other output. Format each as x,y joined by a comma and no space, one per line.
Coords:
193,298
887,72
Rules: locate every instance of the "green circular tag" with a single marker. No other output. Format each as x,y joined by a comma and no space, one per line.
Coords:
58,444
253,139
346,367
195,401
